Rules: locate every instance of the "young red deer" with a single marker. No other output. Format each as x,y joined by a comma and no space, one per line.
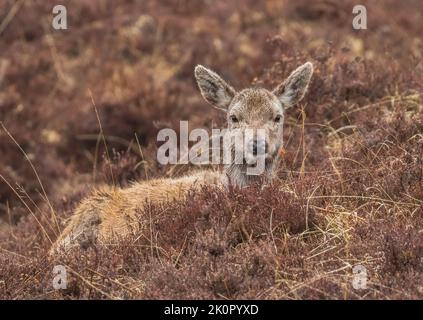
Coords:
111,212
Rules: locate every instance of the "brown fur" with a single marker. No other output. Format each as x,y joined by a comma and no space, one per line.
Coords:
111,212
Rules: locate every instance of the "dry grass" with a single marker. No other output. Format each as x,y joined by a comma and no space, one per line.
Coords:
349,190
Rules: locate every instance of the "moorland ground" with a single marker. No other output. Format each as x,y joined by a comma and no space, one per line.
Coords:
349,190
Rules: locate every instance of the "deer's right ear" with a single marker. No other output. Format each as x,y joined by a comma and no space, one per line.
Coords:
213,88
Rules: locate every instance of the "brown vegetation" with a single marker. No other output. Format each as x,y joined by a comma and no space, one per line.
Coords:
349,192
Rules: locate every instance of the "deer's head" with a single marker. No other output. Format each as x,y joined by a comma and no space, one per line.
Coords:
257,111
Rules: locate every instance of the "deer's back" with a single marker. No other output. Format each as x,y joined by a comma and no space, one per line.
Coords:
113,212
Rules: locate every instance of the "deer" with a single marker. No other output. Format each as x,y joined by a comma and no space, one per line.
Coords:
110,213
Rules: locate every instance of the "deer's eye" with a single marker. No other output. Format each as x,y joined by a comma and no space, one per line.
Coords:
278,118
234,119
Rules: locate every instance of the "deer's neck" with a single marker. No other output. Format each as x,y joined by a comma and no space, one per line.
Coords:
238,176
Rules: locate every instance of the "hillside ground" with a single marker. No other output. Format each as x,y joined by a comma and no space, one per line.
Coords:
349,191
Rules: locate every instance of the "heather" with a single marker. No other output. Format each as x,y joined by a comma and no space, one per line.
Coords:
349,190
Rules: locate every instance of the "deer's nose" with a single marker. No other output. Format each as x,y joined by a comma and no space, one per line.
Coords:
258,147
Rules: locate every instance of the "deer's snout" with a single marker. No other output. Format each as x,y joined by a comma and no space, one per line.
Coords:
258,147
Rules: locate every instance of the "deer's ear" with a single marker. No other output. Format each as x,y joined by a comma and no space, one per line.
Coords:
293,89
213,88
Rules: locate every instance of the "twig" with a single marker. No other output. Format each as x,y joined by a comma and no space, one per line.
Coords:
91,285
10,15
142,156
102,135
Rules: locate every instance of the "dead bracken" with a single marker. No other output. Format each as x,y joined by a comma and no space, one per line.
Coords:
349,191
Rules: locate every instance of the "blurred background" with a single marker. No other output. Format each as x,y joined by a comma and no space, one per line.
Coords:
128,65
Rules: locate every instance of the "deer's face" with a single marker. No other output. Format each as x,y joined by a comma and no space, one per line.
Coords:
256,114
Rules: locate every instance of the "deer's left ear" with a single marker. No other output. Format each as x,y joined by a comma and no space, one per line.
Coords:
214,89
293,89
